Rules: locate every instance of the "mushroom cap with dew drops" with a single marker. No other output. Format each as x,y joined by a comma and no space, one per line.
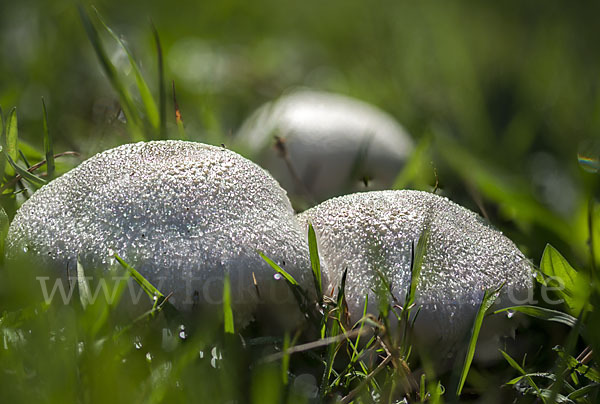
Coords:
183,214
334,144
370,231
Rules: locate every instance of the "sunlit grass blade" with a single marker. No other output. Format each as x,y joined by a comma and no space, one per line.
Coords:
227,311
517,367
568,283
299,293
542,313
85,295
315,261
48,144
127,105
489,297
150,290
279,270
417,264
162,91
32,178
145,94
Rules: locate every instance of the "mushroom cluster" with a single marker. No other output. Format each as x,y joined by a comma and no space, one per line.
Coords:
183,214
186,214
327,144
368,232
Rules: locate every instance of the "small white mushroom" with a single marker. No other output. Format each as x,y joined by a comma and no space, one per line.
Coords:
183,214
370,231
334,144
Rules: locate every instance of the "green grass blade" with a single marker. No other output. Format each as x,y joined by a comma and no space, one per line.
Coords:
315,262
85,295
488,299
127,105
417,265
279,270
150,290
542,313
10,139
581,368
2,143
48,145
144,90
569,284
517,367
12,135
285,361
227,311
4,223
32,178
162,92
583,392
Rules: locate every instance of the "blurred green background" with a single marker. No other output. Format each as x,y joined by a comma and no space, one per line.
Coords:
507,92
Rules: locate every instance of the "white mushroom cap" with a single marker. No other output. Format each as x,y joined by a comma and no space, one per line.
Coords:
370,231
182,213
325,134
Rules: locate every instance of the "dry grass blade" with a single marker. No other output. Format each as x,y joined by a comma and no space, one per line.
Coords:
315,344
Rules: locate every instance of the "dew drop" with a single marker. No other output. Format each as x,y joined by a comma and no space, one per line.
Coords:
510,313
277,276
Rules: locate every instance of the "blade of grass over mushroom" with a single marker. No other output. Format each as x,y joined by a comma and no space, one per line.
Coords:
227,311
127,105
315,261
542,313
48,144
162,92
145,94
25,174
489,297
279,270
524,374
150,290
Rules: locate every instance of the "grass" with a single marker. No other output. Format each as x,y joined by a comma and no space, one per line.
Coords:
88,352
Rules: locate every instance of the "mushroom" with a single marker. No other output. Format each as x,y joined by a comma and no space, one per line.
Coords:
319,144
183,214
378,231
